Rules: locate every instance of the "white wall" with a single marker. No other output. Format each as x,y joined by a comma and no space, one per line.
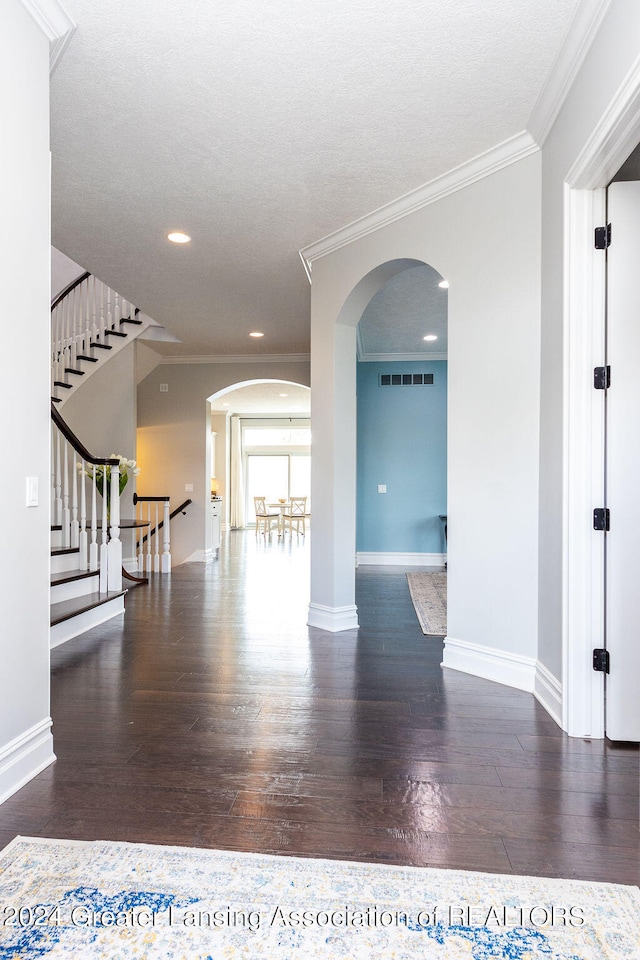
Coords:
485,239
174,437
25,737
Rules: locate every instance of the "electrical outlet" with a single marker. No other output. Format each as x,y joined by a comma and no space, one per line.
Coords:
188,488
382,488
164,388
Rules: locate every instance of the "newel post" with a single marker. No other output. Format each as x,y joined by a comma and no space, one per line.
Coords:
114,568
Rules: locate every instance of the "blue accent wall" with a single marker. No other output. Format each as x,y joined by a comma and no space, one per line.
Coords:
402,442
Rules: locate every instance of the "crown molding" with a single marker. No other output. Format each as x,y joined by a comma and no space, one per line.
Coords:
242,358
510,151
55,23
392,357
581,33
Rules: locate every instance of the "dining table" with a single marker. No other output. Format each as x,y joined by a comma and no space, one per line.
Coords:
280,505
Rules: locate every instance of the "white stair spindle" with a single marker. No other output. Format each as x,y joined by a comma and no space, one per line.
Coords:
109,319
104,551
52,492
73,352
114,579
75,526
165,565
148,564
156,555
102,325
66,513
93,547
82,534
58,483
94,328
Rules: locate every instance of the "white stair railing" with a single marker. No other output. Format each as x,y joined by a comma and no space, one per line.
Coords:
154,532
76,514
84,316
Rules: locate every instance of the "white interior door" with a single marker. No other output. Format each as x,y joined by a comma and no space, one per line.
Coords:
623,464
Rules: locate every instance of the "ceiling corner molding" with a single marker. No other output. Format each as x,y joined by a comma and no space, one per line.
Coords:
241,358
581,33
55,23
393,357
509,151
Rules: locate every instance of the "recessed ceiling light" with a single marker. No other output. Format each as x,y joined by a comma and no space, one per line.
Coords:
176,237
225,404
430,336
256,333
283,394
444,284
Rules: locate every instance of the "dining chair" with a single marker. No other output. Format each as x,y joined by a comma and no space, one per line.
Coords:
264,519
295,515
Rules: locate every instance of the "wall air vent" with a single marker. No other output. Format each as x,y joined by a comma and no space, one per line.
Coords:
405,379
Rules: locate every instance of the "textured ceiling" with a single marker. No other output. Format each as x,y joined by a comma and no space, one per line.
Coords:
259,127
402,312
265,397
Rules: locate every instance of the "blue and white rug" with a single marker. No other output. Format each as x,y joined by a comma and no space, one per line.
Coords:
65,898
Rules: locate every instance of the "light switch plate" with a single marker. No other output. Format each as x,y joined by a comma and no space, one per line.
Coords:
188,488
32,491
382,488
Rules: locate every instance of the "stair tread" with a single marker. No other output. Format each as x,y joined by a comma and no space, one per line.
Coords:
66,609
131,320
115,333
61,551
81,356
101,346
67,576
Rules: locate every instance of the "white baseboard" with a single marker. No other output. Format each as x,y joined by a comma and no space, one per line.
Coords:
333,619
200,556
548,692
513,670
489,663
24,757
402,559
68,629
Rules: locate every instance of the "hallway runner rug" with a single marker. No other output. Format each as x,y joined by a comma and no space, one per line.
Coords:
66,898
429,597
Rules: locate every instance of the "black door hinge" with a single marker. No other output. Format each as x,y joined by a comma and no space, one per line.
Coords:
603,237
601,518
601,660
601,378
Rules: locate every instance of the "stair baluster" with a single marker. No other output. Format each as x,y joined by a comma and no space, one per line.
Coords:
82,535
74,538
66,513
57,517
165,566
156,555
104,552
93,547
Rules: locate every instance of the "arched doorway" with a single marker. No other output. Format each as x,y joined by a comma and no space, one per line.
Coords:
260,442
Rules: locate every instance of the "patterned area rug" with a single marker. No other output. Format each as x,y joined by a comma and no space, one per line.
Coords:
65,898
429,595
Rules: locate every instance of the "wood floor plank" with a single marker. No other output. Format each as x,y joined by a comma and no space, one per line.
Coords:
211,715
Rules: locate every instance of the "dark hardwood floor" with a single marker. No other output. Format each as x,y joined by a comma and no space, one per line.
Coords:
212,716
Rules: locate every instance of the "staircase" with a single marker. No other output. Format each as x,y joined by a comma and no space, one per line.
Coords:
90,323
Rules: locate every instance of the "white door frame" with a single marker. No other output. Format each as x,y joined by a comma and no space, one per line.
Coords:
583,422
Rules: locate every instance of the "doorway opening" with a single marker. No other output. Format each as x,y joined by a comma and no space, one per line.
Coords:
260,446
401,504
